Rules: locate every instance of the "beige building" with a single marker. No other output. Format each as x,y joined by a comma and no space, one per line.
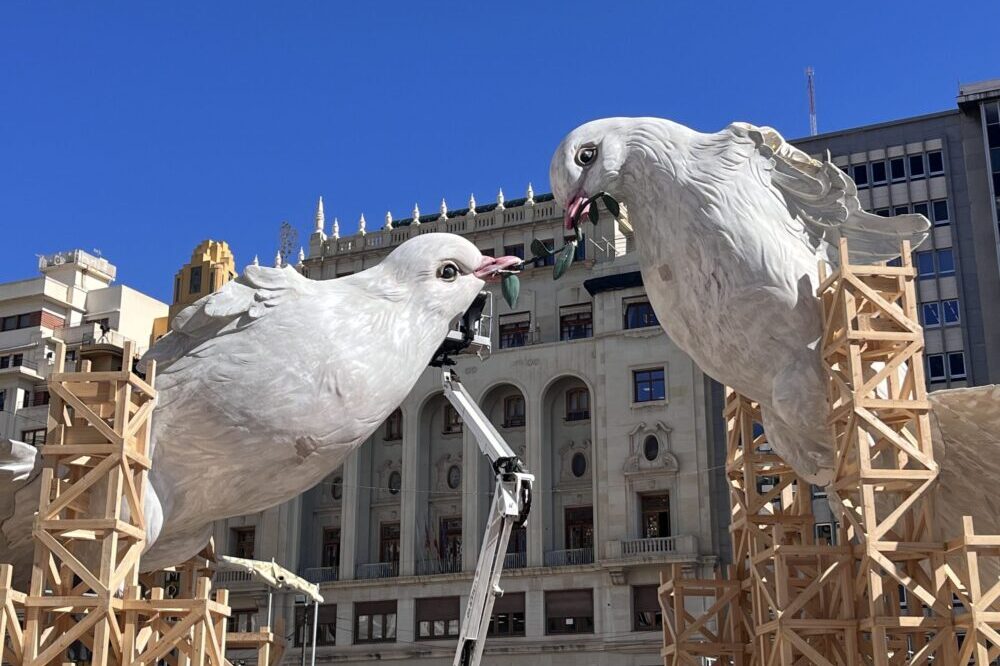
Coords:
73,300
613,419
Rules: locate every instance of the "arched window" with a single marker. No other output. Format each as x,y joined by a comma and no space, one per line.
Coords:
577,404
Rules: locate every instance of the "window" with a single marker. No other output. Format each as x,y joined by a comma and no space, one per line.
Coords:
897,169
40,397
949,308
17,360
569,612
579,527
4,362
576,323
243,541
331,547
823,533
8,323
508,615
860,174
956,365
648,385
882,212
450,542
577,404
30,319
26,399
326,625
488,252
878,173
655,515
514,250
578,465
513,411
935,162
437,618
548,259
337,488
925,265
35,437
639,314
395,482
651,448
900,210
394,426
452,421
177,289
454,477
375,622
514,333
388,543
931,314
646,612
917,166
242,620
940,208
580,253
935,367
818,492
194,287
946,262
3,399
923,209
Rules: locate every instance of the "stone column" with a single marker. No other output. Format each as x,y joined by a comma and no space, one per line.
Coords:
353,526
410,495
345,622
541,502
405,620
534,611
472,527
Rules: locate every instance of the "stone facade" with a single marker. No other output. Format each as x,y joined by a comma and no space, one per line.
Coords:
612,418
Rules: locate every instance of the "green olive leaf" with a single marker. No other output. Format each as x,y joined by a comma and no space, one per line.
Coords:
594,214
611,204
564,259
511,288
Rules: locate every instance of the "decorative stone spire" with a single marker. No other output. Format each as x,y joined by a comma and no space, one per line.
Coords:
531,195
302,256
444,210
320,218
388,220
336,228
472,205
416,214
361,225
256,261
500,205
277,259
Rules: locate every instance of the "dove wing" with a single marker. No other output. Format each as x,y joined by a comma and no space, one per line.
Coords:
826,202
235,307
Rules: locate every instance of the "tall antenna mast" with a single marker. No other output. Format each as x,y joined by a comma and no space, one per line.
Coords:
811,82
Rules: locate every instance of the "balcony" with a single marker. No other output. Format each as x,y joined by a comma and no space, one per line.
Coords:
570,557
377,570
322,574
227,578
657,549
431,567
515,560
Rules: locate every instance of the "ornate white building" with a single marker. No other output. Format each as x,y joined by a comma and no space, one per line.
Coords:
614,421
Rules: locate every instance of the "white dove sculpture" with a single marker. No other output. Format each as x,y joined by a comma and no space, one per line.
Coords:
729,229
266,386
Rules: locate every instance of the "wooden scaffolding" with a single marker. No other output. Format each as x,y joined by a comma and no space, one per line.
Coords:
891,591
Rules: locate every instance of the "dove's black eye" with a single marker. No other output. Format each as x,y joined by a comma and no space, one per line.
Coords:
586,154
448,272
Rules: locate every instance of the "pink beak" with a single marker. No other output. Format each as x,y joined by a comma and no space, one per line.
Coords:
491,266
576,209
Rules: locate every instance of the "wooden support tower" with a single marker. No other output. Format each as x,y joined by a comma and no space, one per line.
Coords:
89,534
892,592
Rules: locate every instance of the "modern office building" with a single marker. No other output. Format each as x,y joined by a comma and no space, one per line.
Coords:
73,300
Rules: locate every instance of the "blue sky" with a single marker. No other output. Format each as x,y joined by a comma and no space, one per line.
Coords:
142,128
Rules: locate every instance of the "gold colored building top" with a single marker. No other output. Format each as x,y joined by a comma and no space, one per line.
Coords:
212,265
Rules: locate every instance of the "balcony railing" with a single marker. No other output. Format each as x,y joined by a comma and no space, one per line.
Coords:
654,548
322,574
377,570
570,557
224,577
429,567
515,560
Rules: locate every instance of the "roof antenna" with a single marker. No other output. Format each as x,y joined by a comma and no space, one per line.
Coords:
811,82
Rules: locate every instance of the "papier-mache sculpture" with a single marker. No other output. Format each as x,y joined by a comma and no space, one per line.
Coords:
730,228
266,386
